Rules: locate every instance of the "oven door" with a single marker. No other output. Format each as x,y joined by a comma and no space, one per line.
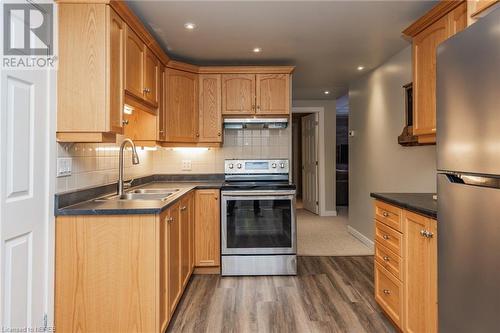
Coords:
258,222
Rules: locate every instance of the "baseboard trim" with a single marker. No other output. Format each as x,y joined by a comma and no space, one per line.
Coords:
362,238
329,213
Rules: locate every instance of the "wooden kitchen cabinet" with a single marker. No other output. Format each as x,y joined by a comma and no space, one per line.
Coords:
164,270
477,8
162,108
207,228
443,21
151,78
186,214
272,94
210,109
420,270
238,94
90,73
181,106
174,251
406,267
134,64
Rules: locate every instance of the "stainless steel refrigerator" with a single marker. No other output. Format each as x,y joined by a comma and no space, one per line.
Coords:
468,150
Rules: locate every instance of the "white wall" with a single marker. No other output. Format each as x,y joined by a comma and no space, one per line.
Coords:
329,146
377,163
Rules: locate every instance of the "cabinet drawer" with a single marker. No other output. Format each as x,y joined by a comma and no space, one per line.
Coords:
389,260
389,238
389,214
389,294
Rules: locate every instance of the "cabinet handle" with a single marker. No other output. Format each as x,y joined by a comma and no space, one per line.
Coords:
170,219
216,198
429,234
183,208
385,236
387,291
147,90
385,214
426,233
162,131
125,122
197,135
218,134
386,258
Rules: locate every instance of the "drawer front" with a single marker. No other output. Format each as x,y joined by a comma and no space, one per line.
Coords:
389,238
389,214
389,294
389,260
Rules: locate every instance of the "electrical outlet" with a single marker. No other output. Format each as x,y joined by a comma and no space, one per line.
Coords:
186,165
64,166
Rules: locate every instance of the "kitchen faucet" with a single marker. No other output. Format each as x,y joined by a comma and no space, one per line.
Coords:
135,160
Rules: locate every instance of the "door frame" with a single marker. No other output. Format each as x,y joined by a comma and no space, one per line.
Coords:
320,110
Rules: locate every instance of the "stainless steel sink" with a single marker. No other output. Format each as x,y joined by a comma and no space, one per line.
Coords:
156,194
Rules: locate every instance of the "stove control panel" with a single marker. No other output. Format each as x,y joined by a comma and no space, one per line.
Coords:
256,166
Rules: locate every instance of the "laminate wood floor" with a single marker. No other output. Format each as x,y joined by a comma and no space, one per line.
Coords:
329,294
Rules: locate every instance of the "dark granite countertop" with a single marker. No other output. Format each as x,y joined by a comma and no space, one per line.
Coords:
421,203
83,202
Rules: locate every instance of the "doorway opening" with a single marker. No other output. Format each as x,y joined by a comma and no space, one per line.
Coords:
342,154
305,160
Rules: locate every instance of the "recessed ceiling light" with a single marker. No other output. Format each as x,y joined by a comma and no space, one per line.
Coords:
327,92
257,50
190,26
360,68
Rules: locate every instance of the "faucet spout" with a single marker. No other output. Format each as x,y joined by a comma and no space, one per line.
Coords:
135,160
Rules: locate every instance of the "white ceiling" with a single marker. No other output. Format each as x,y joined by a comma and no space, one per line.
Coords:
326,40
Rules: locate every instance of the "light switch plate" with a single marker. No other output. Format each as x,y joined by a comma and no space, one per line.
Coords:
64,166
186,165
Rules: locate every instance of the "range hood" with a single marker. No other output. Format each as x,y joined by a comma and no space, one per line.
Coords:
255,123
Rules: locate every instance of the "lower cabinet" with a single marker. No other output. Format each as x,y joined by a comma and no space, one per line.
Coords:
406,268
123,273
207,229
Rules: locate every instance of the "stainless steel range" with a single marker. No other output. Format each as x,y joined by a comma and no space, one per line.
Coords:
258,219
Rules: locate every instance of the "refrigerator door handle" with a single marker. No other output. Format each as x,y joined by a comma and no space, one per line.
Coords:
474,180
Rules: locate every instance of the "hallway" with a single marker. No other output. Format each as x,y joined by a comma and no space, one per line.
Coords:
327,236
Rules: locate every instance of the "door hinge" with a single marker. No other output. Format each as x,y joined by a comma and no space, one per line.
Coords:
45,322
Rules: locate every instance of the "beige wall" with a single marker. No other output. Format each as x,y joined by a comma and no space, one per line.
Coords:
329,147
377,163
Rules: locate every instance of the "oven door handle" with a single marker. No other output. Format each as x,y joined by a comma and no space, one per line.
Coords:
257,193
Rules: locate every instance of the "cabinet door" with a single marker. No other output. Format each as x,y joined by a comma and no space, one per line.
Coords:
134,64
151,70
182,106
210,108
191,231
238,94
174,251
420,308
457,19
161,124
185,219
115,64
273,93
424,76
164,271
207,228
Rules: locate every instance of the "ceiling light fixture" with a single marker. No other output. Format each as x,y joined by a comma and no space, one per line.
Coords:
360,68
190,26
327,92
257,50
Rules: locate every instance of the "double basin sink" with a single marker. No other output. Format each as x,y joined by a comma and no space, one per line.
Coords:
158,194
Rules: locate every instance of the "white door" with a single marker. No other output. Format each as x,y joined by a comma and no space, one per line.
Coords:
26,228
310,162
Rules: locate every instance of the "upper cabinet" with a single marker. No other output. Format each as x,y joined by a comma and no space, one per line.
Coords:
210,124
273,93
151,78
440,23
238,94
252,94
181,113
90,74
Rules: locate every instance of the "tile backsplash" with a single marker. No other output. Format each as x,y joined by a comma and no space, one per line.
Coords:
246,143
97,164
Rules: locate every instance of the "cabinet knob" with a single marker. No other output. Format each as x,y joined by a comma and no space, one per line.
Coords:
183,208
426,233
385,236
386,258
162,131
387,291
216,198
197,134
170,219
218,134
125,122
258,107
147,90
385,214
